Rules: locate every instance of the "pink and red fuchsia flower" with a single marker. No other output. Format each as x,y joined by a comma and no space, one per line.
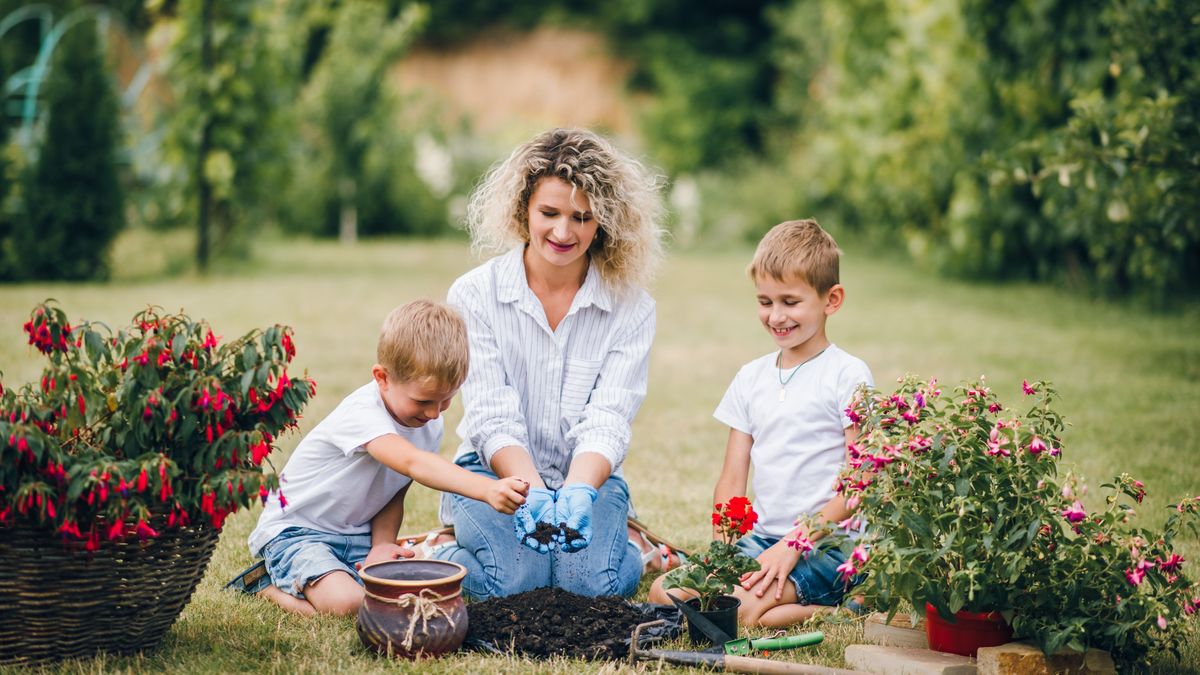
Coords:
966,510
152,428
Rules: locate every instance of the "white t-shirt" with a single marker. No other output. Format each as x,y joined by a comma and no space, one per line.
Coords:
331,482
799,442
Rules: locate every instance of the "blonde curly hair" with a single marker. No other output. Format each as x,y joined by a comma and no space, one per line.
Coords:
625,199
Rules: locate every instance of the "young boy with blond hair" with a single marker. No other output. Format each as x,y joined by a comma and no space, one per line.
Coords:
345,483
785,412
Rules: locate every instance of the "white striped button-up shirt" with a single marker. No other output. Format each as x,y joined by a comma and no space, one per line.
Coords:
556,393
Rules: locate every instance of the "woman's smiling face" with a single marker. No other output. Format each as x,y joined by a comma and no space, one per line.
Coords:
561,224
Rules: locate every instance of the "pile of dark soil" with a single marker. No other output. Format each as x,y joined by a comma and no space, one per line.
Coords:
549,622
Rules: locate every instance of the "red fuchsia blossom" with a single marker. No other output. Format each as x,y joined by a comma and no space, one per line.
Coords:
1140,493
1075,513
1027,388
911,416
847,570
918,444
997,444
1135,576
1171,564
289,348
1037,446
144,531
859,554
851,523
801,542
260,450
210,340
993,407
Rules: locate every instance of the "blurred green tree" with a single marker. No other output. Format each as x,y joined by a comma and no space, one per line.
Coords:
73,202
1104,180
348,100
228,126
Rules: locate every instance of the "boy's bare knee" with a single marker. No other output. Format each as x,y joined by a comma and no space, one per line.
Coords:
335,593
346,606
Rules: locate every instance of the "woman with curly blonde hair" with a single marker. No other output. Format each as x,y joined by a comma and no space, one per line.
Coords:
560,327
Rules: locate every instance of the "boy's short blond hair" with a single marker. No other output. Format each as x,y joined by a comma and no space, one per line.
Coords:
798,249
424,340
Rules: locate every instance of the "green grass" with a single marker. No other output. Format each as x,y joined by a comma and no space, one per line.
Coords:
1129,383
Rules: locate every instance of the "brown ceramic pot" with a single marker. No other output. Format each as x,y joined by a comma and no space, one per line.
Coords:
413,608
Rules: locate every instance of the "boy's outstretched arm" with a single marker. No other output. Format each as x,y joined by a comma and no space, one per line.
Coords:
435,471
735,472
384,528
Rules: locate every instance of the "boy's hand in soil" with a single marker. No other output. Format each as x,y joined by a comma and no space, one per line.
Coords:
506,494
538,507
573,513
776,563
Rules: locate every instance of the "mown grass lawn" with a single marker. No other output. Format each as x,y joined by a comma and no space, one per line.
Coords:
1129,381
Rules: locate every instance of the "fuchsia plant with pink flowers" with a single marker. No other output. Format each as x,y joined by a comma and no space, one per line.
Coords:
155,427
966,511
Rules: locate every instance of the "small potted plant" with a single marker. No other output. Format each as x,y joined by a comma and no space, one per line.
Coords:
712,574
118,468
969,521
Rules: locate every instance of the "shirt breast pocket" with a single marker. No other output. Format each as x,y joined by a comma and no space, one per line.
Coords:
579,378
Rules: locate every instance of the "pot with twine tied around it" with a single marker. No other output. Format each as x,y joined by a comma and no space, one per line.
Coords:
413,608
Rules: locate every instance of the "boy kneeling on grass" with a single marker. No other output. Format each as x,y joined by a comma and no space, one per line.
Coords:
785,417
345,483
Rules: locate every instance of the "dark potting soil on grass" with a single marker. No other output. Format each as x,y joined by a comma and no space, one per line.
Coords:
548,622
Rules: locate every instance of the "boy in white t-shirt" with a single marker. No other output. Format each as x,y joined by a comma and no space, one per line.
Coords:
344,486
785,412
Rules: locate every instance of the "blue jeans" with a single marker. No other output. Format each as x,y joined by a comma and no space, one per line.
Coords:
299,556
816,577
498,565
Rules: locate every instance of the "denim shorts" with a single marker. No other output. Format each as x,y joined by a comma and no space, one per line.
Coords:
816,577
299,556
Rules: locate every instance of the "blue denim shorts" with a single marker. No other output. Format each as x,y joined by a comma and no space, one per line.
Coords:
815,576
299,556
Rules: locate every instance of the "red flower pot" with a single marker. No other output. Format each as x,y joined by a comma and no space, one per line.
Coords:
968,632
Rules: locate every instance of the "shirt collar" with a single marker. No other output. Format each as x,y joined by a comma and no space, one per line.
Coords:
512,284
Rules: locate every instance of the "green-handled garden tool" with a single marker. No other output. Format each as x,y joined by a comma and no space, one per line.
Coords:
730,663
743,646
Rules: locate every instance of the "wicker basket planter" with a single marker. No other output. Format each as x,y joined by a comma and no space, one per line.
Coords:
57,602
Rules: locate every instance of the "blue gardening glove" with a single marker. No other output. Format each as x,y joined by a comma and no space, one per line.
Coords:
573,513
537,509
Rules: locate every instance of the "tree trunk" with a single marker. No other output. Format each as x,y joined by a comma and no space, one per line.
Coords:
203,188
348,221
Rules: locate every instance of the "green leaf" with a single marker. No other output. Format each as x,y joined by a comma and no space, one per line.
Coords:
178,344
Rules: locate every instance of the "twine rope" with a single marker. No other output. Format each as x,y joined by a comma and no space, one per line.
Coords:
425,606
